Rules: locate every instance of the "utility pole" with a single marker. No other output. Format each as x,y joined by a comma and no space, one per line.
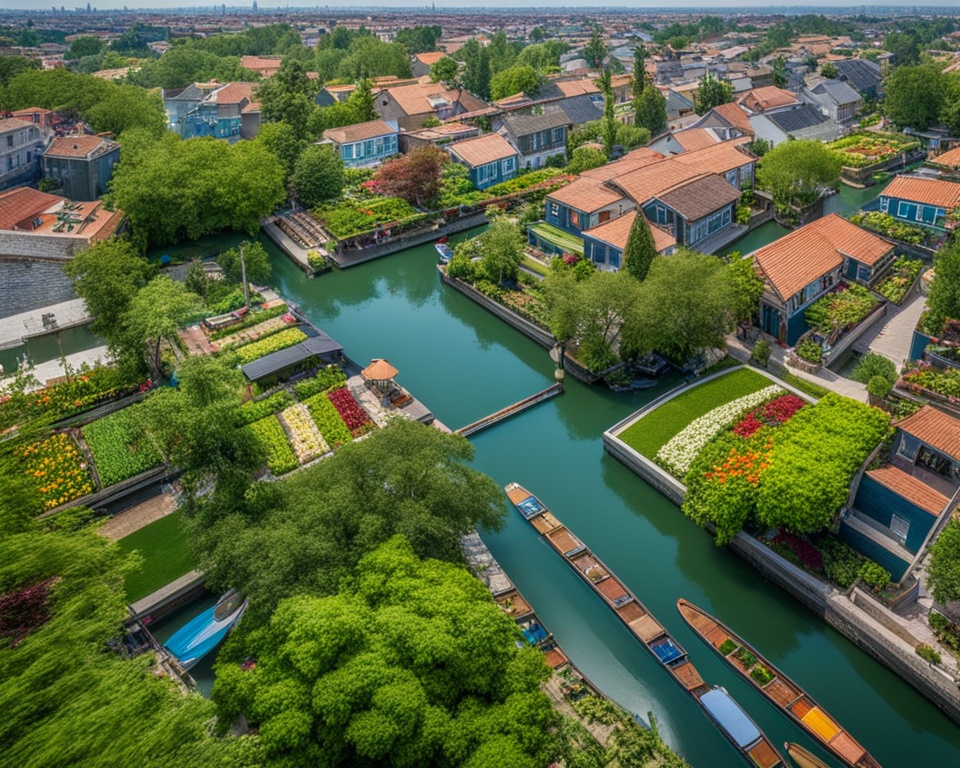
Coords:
243,276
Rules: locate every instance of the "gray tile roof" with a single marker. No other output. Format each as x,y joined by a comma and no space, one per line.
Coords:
795,118
862,74
579,109
521,125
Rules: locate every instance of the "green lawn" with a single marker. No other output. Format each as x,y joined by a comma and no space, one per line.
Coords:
653,431
166,556
563,240
535,266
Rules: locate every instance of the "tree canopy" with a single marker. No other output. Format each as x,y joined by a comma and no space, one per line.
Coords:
411,664
501,249
640,250
943,574
521,78
796,171
318,175
476,72
944,300
746,286
711,93
915,95
650,110
444,70
255,258
415,177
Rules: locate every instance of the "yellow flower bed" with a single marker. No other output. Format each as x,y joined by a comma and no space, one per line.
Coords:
58,469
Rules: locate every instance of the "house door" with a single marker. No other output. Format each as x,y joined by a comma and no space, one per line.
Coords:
770,320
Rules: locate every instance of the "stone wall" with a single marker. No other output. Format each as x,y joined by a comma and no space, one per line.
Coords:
26,284
34,246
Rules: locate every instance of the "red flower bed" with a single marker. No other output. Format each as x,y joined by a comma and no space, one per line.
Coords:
777,411
352,414
23,611
809,555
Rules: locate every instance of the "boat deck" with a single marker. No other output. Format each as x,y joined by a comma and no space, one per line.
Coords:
764,755
513,604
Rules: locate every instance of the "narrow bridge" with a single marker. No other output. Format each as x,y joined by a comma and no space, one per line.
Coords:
512,410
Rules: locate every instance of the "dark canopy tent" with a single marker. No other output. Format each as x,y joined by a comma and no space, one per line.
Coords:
321,346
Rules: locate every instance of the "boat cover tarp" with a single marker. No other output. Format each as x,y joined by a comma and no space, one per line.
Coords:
730,717
535,633
320,345
666,651
818,722
530,507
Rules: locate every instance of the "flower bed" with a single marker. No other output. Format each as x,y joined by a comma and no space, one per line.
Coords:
121,447
860,150
305,438
255,332
777,411
842,309
280,456
353,415
326,378
885,224
650,433
58,470
681,450
250,320
259,409
328,421
350,218
899,279
287,338
526,181
945,382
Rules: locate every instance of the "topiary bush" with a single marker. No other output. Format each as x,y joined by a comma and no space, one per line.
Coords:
879,387
761,353
872,365
810,351
874,575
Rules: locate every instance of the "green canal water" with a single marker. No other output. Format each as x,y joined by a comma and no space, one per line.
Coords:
44,348
463,363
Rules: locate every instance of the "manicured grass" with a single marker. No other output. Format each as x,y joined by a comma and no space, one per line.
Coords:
166,556
814,390
653,431
563,240
535,266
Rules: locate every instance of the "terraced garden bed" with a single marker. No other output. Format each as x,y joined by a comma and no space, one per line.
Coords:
120,446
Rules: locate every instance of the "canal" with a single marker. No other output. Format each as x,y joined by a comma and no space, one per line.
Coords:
463,363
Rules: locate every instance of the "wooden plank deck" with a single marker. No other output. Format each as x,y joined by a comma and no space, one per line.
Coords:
545,523
847,747
781,692
612,589
646,628
687,675
764,755
563,540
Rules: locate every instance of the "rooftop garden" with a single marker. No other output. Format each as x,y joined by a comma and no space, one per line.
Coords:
859,150
841,309
165,552
349,218
884,224
120,446
921,378
899,279
563,240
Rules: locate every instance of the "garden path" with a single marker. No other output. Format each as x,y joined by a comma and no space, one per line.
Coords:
139,516
892,338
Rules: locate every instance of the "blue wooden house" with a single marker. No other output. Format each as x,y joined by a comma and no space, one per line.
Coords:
901,506
208,109
805,264
604,244
490,159
364,145
918,200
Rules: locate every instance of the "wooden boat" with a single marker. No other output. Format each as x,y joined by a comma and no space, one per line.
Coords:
802,758
200,635
779,689
760,751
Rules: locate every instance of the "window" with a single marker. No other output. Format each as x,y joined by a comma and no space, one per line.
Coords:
558,135
661,214
884,204
368,147
554,209
575,218
508,165
10,140
347,151
604,216
900,527
906,210
613,257
731,177
486,173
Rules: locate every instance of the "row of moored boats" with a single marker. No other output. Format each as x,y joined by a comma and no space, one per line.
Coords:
729,717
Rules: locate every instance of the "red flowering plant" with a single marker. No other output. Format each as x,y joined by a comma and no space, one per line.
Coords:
802,550
777,411
24,610
352,414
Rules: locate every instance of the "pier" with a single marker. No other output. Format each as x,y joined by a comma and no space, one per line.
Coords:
511,410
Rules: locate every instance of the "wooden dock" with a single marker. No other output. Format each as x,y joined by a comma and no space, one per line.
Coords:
511,410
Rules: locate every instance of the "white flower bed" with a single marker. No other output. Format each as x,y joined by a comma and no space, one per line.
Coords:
679,453
305,438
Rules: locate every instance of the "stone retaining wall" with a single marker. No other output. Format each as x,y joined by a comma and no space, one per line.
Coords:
27,284
33,246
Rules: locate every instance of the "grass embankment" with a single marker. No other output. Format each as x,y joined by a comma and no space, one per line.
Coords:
653,431
166,556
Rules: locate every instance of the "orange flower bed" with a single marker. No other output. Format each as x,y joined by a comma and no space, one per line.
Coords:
58,469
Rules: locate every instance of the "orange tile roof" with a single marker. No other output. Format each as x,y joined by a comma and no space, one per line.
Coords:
943,194
32,111
234,93
265,65
483,149
950,159
14,124
412,97
20,205
358,132
695,138
586,194
650,180
800,257
735,116
716,158
78,146
576,87
616,232
631,161
430,58
767,97
910,488
935,428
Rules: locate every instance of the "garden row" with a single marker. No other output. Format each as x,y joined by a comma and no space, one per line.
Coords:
755,456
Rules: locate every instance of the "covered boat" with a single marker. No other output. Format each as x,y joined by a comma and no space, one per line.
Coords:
803,758
779,689
738,727
200,635
444,251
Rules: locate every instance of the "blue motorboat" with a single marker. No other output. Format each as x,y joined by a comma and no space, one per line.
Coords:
444,250
200,635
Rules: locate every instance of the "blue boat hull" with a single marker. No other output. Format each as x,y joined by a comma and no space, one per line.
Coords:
200,635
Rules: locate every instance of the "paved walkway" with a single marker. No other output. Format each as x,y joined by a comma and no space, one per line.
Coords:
52,370
16,329
138,517
892,338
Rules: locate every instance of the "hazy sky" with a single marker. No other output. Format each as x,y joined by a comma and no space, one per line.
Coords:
104,5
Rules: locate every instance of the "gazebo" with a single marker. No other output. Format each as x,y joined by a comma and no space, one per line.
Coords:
380,374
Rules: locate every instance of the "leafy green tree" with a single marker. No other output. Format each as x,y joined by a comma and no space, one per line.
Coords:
943,574
595,51
746,286
107,276
711,93
502,250
173,189
502,55
371,57
683,307
420,39
944,299
829,71
318,175
905,47
559,290
84,46
915,95
521,78
779,68
255,258
950,113
314,527
640,80
585,158
415,177
543,56
444,70
157,312
281,141
640,250
412,664
650,110
11,66
608,123
186,64
797,171
476,69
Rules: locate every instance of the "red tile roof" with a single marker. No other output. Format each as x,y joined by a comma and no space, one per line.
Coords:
14,124
234,93
950,159
483,149
935,428
638,158
265,65
768,97
695,138
616,232
735,116
358,132
430,58
576,87
800,257
943,194
78,146
586,194
21,205
910,488
414,98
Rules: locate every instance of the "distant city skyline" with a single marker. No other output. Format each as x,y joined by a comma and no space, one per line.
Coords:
266,5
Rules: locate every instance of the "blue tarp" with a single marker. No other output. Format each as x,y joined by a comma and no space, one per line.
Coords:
534,633
730,717
666,651
530,507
